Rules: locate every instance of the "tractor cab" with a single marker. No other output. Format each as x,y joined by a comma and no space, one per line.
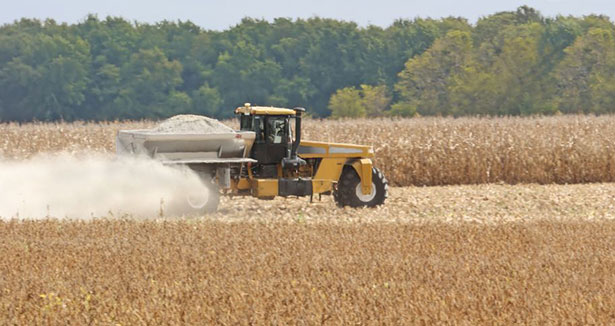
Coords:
274,143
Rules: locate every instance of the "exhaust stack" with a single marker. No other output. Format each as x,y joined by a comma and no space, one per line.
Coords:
298,113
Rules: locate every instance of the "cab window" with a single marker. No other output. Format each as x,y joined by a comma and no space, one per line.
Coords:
245,123
259,128
277,130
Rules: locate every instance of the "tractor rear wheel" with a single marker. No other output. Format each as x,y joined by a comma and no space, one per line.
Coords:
349,191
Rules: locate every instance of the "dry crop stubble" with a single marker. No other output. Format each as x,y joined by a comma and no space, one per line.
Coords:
136,273
485,204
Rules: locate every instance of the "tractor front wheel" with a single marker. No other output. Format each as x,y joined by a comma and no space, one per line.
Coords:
349,191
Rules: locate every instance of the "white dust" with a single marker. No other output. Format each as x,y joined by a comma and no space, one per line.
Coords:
64,186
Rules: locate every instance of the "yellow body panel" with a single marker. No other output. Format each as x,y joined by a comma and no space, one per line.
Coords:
335,156
319,186
263,110
264,187
241,184
315,149
364,170
330,168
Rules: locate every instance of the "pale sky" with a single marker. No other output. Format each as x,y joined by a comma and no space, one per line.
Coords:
220,15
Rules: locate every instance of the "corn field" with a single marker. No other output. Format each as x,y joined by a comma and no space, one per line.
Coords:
423,151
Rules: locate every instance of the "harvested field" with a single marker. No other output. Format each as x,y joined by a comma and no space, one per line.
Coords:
487,204
422,151
187,272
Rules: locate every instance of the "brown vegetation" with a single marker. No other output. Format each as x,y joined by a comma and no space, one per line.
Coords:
423,151
20,141
465,255
138,273
445,151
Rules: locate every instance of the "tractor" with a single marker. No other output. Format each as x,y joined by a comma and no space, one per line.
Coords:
265,158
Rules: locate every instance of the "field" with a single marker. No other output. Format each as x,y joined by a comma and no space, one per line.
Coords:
517,227
426,151
133,273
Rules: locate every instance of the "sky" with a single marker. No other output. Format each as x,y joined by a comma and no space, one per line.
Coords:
220,15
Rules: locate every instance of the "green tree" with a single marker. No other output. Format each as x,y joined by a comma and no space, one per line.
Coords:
371,101
375,99
347,103
177,103
242,76
474,91
206,101
585,76
46,80
424,84
331,59
149,81
509,63
521,88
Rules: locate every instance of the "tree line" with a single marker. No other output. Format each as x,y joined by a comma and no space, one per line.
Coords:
508,63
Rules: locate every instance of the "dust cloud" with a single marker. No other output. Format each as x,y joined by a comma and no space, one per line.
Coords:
65,186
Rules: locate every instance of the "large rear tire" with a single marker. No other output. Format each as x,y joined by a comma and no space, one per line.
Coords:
349,192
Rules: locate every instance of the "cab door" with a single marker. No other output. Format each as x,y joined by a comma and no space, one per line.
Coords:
272,141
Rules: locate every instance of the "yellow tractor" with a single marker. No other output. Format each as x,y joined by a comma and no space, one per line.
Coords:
265,159
289,166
